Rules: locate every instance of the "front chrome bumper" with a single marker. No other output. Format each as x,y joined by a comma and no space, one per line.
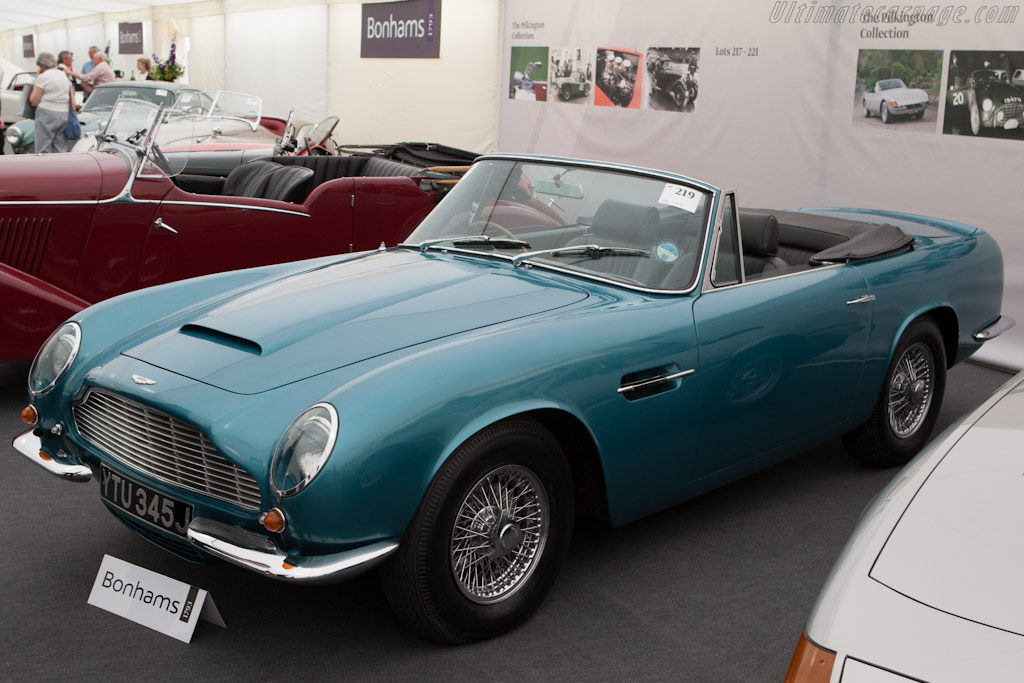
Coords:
259,554
29,445
238,546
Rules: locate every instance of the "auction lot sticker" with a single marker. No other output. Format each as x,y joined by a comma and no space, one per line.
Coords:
681,197
153,600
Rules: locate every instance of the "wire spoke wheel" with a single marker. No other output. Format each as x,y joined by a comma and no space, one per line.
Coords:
499,534
911,390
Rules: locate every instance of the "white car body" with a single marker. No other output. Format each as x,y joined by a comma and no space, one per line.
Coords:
928,587
13,76
1018,77
891,97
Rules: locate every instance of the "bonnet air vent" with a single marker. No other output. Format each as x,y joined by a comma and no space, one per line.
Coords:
23,242
222,338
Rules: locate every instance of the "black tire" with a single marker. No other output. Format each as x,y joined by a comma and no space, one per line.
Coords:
883,113
566,92
913,388
678,95
867,112
420,579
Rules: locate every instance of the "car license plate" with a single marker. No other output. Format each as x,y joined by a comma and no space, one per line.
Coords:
144,503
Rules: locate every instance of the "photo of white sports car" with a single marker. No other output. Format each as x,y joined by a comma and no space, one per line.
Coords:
891,98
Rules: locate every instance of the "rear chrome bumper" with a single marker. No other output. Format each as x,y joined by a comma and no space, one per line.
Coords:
29,445
995,329
259,554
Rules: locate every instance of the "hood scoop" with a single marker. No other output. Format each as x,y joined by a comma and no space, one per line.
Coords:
223,338
320,320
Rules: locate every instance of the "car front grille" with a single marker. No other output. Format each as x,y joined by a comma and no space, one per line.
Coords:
1014,110
164,447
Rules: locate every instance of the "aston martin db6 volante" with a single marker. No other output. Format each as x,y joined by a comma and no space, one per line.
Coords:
79,228
557,337
928,587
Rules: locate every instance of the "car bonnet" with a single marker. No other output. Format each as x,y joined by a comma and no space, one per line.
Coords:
958,547
344,313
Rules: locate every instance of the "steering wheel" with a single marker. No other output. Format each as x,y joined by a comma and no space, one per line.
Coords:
156,155
484,225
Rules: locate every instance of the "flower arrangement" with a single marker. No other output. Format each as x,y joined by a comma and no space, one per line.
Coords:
169,70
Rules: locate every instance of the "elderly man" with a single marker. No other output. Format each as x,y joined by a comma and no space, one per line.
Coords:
87,67
101,73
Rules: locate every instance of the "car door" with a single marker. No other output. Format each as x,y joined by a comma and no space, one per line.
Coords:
780,357
193,235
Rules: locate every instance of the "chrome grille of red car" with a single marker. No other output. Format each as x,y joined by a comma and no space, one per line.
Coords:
23,242
163,447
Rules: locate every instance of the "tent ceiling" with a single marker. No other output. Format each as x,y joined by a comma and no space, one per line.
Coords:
20,13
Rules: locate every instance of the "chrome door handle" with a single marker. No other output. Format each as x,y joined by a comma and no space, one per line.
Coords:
654,380
866,298
159,223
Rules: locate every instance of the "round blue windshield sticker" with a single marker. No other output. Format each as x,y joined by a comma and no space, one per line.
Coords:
667,252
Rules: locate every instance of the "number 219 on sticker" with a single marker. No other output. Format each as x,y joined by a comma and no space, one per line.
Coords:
680,196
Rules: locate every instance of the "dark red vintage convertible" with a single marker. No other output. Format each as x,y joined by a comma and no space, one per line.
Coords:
79,228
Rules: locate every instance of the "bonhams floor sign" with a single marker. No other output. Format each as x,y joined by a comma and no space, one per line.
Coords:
161,603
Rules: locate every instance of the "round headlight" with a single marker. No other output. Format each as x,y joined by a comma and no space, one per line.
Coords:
304,450
13,135
54,358
986,104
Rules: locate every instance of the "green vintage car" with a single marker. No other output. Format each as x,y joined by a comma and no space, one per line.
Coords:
96,110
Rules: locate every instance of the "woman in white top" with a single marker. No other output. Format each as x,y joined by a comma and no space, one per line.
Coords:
51,95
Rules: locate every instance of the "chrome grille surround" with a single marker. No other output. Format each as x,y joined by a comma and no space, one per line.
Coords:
151,441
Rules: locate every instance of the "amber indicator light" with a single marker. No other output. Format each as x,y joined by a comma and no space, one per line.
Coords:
29,415
273,521
44,456
810,663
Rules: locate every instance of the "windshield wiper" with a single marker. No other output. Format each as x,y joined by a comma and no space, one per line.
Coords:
465,241
136,136
594,251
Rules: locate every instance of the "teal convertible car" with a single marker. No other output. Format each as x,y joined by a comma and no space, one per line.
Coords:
557,338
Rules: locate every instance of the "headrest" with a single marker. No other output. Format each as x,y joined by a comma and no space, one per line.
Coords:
623,221
760,232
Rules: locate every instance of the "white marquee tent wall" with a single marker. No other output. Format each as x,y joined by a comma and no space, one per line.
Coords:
305,54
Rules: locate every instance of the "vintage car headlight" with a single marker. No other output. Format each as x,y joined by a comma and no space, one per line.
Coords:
304,449
13,135
986,104
54,358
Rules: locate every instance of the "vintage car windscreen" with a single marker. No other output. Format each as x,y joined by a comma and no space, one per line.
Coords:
628,228
221,105
132,125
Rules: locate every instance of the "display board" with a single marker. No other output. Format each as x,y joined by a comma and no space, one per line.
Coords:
793,104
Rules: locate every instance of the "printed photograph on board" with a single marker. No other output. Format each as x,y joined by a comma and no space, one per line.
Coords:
898,90
528,74
618,78
672,73
985,94
571,77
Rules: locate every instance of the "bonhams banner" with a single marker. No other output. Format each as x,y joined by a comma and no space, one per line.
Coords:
28,46
792,103
129,38
409,29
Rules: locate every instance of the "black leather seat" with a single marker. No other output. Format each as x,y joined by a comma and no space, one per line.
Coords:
622,224
249,179
289,183
760,235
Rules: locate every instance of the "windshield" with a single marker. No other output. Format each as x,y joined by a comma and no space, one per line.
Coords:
615,225
891,84
103,98
221,105
130,122
134,123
